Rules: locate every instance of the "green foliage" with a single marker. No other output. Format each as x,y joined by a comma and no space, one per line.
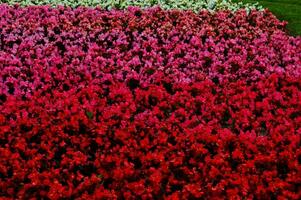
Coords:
194,5
89,115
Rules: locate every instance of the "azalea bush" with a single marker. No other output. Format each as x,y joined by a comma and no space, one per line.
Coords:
195,5
149,104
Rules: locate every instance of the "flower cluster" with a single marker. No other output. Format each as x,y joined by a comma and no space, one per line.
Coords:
148,104
194,5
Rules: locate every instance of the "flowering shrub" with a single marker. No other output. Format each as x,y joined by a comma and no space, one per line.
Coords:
195,5
148,104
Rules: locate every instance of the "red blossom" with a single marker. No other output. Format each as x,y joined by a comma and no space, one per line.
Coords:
98,104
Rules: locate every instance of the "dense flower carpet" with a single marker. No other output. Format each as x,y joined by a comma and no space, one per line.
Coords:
148,104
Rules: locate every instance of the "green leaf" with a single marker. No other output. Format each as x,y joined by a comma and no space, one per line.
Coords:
89,114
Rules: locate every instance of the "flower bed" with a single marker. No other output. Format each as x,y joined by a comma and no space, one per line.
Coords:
194,5
148,104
